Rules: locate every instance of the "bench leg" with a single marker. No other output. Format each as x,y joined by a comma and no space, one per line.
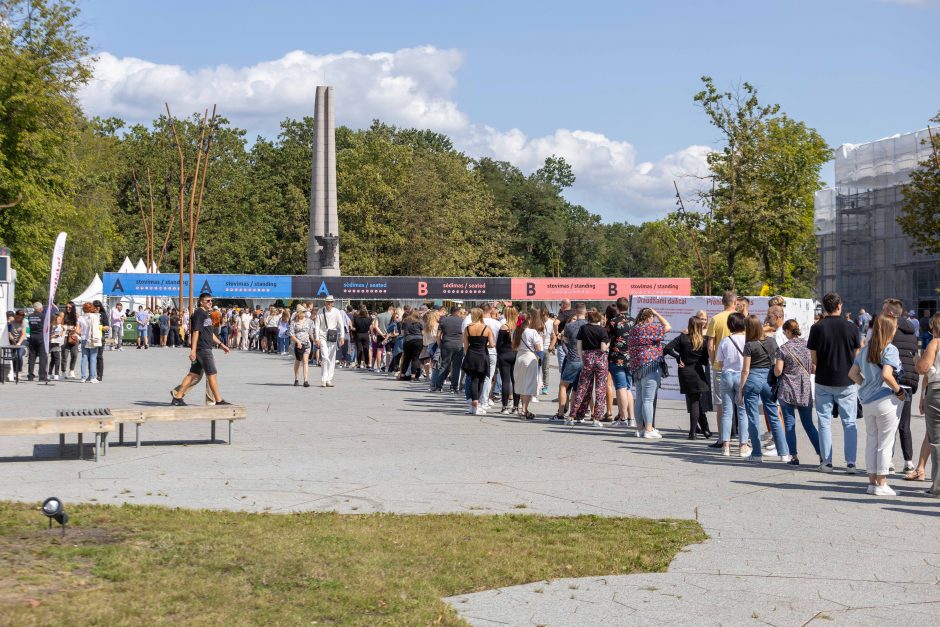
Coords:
230,431
212,437
61,444
81,445
97,445
104,443
121,433
137,432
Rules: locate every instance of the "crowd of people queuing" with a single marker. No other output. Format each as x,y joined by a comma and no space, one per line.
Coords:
758,374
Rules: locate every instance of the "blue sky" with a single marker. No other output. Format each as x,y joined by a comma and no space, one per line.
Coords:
505,78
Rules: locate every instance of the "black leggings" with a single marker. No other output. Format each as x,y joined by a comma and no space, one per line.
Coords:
505,362
476,385
904,431
697,418
362,349
410,356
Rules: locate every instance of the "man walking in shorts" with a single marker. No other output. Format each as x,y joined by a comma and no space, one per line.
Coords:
143,327
200,354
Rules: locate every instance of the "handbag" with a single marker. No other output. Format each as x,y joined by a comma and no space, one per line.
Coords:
772,379
331,334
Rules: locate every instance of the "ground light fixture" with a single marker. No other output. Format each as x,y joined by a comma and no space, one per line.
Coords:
54,510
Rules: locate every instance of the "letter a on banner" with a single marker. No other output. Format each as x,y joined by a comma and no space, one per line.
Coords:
323,291
58,252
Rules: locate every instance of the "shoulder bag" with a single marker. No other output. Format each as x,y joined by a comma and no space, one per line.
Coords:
331,334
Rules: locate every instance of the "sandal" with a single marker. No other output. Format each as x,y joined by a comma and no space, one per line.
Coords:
914,475
529,416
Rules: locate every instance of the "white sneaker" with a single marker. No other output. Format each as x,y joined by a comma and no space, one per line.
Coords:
480,411
652,435
825,468
870,490
631,424
598,424
570,423
785,458
93,380
507,410
884,490
534,399
745,451
770,450
850,469
71,374
618,424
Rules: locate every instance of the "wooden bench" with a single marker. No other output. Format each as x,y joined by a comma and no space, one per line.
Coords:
101,426
143,415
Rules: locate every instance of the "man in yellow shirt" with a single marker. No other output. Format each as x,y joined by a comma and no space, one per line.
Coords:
716,331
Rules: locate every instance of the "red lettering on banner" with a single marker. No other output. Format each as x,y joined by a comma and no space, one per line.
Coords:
422,288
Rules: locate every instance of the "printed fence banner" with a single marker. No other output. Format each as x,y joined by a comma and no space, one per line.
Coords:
678,309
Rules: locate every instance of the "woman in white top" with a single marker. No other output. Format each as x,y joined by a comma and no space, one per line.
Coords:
547,336
527,342
730,360
90,330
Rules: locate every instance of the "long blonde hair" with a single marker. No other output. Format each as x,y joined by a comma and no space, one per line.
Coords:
882,333
511,314
695,332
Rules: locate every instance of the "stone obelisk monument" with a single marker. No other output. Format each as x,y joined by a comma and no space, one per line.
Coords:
323,242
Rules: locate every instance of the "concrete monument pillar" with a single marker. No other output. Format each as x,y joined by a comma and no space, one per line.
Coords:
323,242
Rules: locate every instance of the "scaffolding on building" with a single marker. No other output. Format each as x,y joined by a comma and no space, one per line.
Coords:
863,254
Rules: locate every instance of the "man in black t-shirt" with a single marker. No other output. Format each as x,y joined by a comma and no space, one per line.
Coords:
833,343
200,354
450,341
36,343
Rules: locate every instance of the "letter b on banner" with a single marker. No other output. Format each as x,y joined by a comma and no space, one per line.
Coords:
530,289
611,289
422,288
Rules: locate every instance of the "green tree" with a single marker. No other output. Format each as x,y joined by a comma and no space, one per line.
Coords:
761,202
920,215
44,170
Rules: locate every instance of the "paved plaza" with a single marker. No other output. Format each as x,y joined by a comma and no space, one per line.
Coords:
787,546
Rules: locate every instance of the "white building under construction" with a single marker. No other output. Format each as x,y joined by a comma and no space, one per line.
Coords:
863,254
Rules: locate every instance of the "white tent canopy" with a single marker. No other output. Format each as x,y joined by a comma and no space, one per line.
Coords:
127,266
94,291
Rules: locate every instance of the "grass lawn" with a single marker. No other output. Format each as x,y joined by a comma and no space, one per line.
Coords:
146,565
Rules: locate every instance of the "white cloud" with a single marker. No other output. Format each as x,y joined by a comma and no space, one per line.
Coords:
408,87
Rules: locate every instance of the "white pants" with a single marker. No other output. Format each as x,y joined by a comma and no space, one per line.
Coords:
488,383
327,360
881,423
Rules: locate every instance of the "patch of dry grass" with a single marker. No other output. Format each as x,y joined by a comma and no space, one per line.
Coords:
149,565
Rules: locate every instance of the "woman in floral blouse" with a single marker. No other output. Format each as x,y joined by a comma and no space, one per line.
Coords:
645,346
793,366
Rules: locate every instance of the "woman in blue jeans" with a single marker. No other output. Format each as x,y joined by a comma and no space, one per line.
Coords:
645,346
754,389
793,366
729,358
